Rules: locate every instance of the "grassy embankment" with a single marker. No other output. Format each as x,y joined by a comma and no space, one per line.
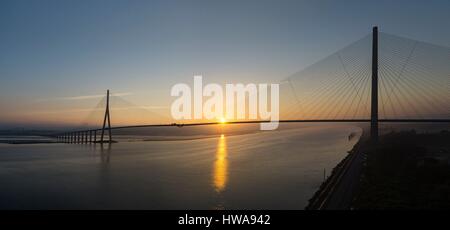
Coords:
407,170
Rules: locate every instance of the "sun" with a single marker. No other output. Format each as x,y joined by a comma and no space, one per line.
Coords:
223,120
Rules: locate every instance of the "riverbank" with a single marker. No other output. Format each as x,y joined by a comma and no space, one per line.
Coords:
405,170
337,191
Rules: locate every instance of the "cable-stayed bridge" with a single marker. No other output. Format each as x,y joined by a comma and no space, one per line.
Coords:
379,78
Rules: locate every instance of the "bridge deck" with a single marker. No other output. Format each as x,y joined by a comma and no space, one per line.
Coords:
281,121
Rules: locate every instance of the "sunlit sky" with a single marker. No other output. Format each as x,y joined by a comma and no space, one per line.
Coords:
58,55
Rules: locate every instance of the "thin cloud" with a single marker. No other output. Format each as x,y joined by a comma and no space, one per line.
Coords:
84,97
154,107
97,109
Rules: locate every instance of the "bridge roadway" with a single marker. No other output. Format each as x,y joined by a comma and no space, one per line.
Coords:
85,135
281,121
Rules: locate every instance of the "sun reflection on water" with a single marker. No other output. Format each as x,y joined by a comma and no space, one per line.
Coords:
220,174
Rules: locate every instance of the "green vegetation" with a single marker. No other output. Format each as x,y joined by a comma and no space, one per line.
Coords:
407,171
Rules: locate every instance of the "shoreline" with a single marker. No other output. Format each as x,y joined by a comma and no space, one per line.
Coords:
27,142
325,197
375,177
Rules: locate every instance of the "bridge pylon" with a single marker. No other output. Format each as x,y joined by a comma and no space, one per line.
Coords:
106,119
374,96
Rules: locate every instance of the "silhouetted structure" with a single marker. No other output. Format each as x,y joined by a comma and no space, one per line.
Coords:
107,116
374,97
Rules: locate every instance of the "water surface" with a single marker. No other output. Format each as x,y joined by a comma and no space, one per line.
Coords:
250,170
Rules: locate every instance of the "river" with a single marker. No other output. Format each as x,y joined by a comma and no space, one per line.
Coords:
219,169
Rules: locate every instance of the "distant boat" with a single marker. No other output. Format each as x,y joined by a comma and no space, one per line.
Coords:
177,125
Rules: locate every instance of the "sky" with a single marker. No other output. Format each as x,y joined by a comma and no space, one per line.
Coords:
58,57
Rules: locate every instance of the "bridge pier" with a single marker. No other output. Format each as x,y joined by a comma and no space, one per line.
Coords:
89,136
